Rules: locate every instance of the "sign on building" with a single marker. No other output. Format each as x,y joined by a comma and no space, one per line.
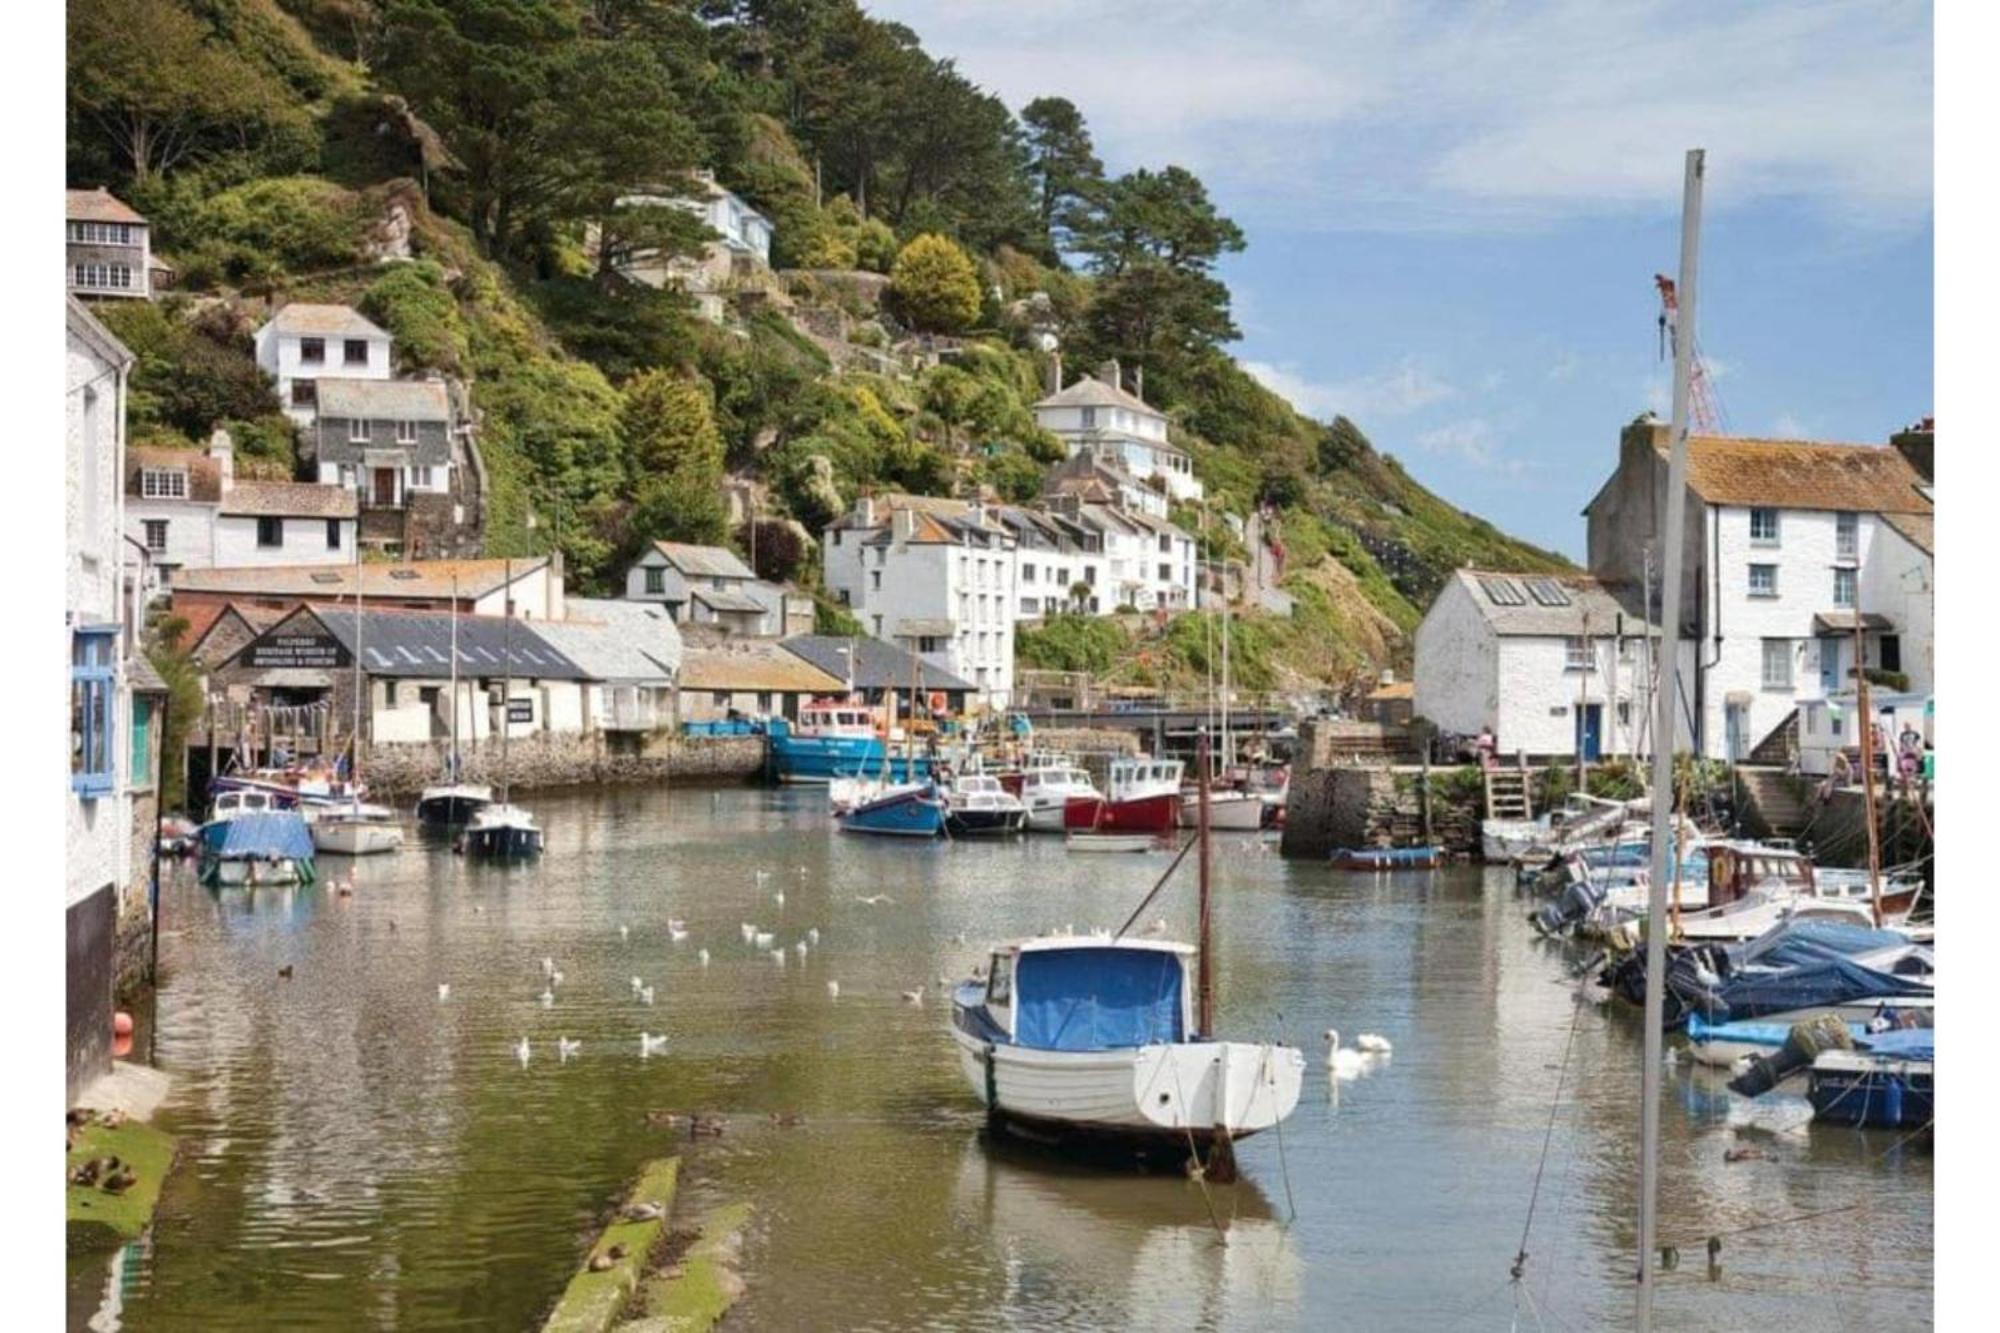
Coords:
520,710
297,648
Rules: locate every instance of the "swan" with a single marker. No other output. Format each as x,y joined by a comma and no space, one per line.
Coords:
833,990
914,996
1345,1062
565,1048
649,1044
703,956
763,876
1372,1044
444,990
522,1052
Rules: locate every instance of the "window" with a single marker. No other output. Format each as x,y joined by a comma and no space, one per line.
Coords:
270,532
1764,527
354,352
1777,664
357,431
422,477
333,534
156,535
875,579
104,276
304,393
347,474
140,770
1166,573
1763,580
656,581
1577,655
101,233
844,599
1090,575
1624,712
92,711
1027,573
406,432
1847,536
388,694
1000,980
1892,652
720,698
929,643
1843,587
312,351
1166,544
163,483
1089,418
878,626
763,701
1031,606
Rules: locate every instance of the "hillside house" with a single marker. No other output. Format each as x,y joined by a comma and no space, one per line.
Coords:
1790,545
1554,664
1097,416
710,585
304,343
1087,477
110,248
742,247
187,508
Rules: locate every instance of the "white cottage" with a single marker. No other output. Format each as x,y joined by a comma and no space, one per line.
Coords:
304,343
742,245
1789,544
1098,417
1553,664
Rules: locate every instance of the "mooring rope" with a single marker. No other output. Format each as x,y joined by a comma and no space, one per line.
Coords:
1548,1135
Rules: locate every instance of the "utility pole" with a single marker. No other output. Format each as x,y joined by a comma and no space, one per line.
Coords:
1663,742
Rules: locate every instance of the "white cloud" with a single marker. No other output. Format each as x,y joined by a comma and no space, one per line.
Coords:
1407,387
1473,441
1492,380
1477,116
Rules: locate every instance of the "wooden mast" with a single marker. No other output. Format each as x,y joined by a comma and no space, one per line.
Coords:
507,670
1205,977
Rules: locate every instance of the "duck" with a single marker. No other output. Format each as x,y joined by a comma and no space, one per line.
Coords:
649,1044
763,877
555,978
124,1178
1372,1044
1343,1061
444,990
914,996
637,985
285,972
523,1052
710,1125
548,967
702,957
601,1263
565,1048
675,923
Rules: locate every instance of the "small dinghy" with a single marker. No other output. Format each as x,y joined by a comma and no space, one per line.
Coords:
1112,842
1388,858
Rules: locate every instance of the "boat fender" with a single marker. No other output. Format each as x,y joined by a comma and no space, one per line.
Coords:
992,1082
1892,1100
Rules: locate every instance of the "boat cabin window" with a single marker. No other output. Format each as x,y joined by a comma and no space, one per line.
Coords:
1000,983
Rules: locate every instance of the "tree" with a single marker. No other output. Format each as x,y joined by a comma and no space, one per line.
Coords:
951,395
934,285
1062,164
778,553
676,459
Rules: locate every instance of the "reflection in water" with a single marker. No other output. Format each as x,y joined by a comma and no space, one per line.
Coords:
358,1153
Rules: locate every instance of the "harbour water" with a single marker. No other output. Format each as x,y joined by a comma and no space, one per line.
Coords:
357,1153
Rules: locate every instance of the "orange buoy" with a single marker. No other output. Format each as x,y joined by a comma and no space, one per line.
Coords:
121,1024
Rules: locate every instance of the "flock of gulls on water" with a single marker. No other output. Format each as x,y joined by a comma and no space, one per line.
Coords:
1343,1063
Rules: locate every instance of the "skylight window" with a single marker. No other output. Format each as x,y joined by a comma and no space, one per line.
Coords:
325,578
1502,592
1548,592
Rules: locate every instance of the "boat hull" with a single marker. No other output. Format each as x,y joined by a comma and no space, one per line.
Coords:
815,759
1388,858
908,814
356,837
1144,814
1112,842
501,842
985,823
1228,812
1868,1092
451,807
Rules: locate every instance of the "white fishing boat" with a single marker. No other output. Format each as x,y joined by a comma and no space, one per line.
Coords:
1073,1038
1228,811
1111,842
356,830
1045,791
977,805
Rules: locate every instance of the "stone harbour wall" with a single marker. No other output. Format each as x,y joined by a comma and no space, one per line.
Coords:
1353,806
568,759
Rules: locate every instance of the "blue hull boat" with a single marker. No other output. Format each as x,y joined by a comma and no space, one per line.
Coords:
796,758
1888,1085
914,813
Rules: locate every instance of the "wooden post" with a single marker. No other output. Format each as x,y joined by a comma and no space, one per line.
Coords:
1424,795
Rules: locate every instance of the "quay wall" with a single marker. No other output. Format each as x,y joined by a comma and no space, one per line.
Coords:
567,759
1837,830
1380,806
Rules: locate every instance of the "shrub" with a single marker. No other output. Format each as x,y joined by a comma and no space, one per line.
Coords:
412,302
935,285
281,225
1069,642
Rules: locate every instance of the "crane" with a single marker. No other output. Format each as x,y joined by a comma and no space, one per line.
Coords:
1705,408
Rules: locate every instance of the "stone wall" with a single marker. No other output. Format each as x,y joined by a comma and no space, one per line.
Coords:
1353,806
555,759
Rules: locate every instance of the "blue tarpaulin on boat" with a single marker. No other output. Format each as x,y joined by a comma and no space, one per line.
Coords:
277,834
1795,943
1822,984
1088,999
1904,1043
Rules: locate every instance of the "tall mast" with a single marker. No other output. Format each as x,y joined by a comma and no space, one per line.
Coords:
1205,976
1673,552
452,772
1228,747
1867,721
354,772
507,669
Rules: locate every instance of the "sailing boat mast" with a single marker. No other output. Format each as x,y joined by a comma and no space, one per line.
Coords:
1228,747
354,769
1673,551
507,671
1205,975
1867,721
452,774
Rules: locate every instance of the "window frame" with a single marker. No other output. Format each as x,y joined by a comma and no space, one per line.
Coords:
151,526
1771,588
1578,655
359,430
1847,536
277,525
1766,679
333,535
305,393
1848,576
163,483
139,759
1776,526
347,356
406,431
656,581
312,351
93,677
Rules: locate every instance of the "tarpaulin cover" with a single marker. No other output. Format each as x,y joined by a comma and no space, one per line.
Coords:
1819,985
1089,999
1904,1043
276,834
1793,943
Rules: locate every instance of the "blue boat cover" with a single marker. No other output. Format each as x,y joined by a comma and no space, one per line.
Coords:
1815,985
1094,999
1795,943
1903,1043
280,833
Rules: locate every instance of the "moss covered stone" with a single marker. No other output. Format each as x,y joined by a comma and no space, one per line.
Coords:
593,1301
99,1218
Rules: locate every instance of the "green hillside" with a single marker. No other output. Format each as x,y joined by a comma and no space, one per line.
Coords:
930,244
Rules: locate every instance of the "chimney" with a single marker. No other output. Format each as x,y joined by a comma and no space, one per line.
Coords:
864,511
1055,372
1139,382
1915,444
902,525
222,450
1110,374
1388,677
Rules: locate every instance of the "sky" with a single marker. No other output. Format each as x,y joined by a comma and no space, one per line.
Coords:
1455,210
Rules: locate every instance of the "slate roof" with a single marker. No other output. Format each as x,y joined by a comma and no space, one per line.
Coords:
1092,392
204,473
1591,605
731,600
383,400
418,643
704,561
289,499
142,676
755,666
98,205
877,665
305,319
202,618
407,579
648,625
611,652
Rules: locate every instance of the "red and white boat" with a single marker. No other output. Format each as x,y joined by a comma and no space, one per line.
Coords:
1047,793
1142,796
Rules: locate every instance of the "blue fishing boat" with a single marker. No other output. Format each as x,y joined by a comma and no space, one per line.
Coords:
1886,1084
912,812
1388,858
256,849
836,739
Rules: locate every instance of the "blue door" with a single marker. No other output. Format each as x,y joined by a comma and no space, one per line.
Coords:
1829,666
1589,731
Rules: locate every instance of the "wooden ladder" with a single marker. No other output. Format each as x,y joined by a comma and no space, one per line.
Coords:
1507,794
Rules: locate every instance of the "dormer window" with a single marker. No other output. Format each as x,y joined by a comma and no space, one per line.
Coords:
162,483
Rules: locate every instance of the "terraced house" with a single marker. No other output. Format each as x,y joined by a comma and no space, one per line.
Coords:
110,247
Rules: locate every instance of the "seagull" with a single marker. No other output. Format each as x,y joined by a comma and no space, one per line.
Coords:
444,990
802,872
779,897
943,981
765,939
749,932
548,967
813,935
522,1052
778,957
703,956
676,935
1373,1044
548,998
624,932
833,990
677,923
875,900
637,985
555,978
565,1048
649,1044
1343,1061
914,996
801,947
763,877
646,995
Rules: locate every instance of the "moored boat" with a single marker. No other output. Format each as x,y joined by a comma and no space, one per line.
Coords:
1143,795
356,829
1388,858
251,850
1111,842
978,805
501,832
838,738
908,812
450,805
1047,791
1228,811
